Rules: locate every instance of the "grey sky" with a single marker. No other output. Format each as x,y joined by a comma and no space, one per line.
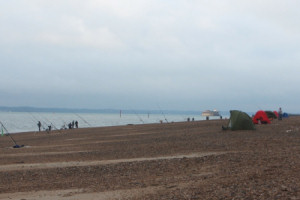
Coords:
138,54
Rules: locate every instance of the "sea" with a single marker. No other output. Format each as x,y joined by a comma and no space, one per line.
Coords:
17,122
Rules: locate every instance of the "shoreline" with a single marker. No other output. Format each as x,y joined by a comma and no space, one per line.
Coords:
24,122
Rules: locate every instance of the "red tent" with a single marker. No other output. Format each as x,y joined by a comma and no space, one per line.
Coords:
276,113
261,117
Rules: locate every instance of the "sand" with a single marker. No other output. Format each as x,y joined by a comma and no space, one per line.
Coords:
184,160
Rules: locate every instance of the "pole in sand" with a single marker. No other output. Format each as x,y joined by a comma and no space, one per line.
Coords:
162,113
7,133
82,119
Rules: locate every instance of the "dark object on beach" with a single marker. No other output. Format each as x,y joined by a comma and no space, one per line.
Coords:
239,121
12,139
271,115
18,146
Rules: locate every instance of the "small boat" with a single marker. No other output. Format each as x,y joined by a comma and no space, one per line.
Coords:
210,113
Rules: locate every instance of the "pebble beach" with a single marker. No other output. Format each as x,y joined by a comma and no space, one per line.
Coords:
180,160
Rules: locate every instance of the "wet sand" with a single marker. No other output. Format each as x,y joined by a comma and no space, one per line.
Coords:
184,160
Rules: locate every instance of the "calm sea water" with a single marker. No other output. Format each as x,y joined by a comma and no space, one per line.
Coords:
16,122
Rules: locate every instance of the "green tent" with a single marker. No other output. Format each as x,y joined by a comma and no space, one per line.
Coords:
270,114
240,121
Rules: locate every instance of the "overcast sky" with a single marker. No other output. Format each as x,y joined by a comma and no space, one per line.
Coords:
146,54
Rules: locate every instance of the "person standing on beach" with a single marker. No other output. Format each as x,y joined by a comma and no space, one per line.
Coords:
76,124
280,114
39,125
70,125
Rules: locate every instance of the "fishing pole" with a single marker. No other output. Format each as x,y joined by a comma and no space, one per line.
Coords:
51,124
82,119
64,122
43,122
35,119
162,113
138,117
7,133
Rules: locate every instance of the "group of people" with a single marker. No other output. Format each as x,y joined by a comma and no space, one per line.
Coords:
39,124
189,119
71,125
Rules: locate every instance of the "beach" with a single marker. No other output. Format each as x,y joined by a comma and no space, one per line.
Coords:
180,160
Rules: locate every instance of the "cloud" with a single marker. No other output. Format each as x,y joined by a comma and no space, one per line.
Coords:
75,33
203,52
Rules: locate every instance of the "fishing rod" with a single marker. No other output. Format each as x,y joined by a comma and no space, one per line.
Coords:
43,122
162,113
82,119
138,117
8,134
51,124
37,120
64,122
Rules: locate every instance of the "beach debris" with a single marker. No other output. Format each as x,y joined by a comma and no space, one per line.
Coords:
292,129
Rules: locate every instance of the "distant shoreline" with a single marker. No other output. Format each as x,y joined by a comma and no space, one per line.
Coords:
112,111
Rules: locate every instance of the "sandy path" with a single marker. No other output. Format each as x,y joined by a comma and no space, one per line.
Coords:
71,144
42,154
13,167
78,194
